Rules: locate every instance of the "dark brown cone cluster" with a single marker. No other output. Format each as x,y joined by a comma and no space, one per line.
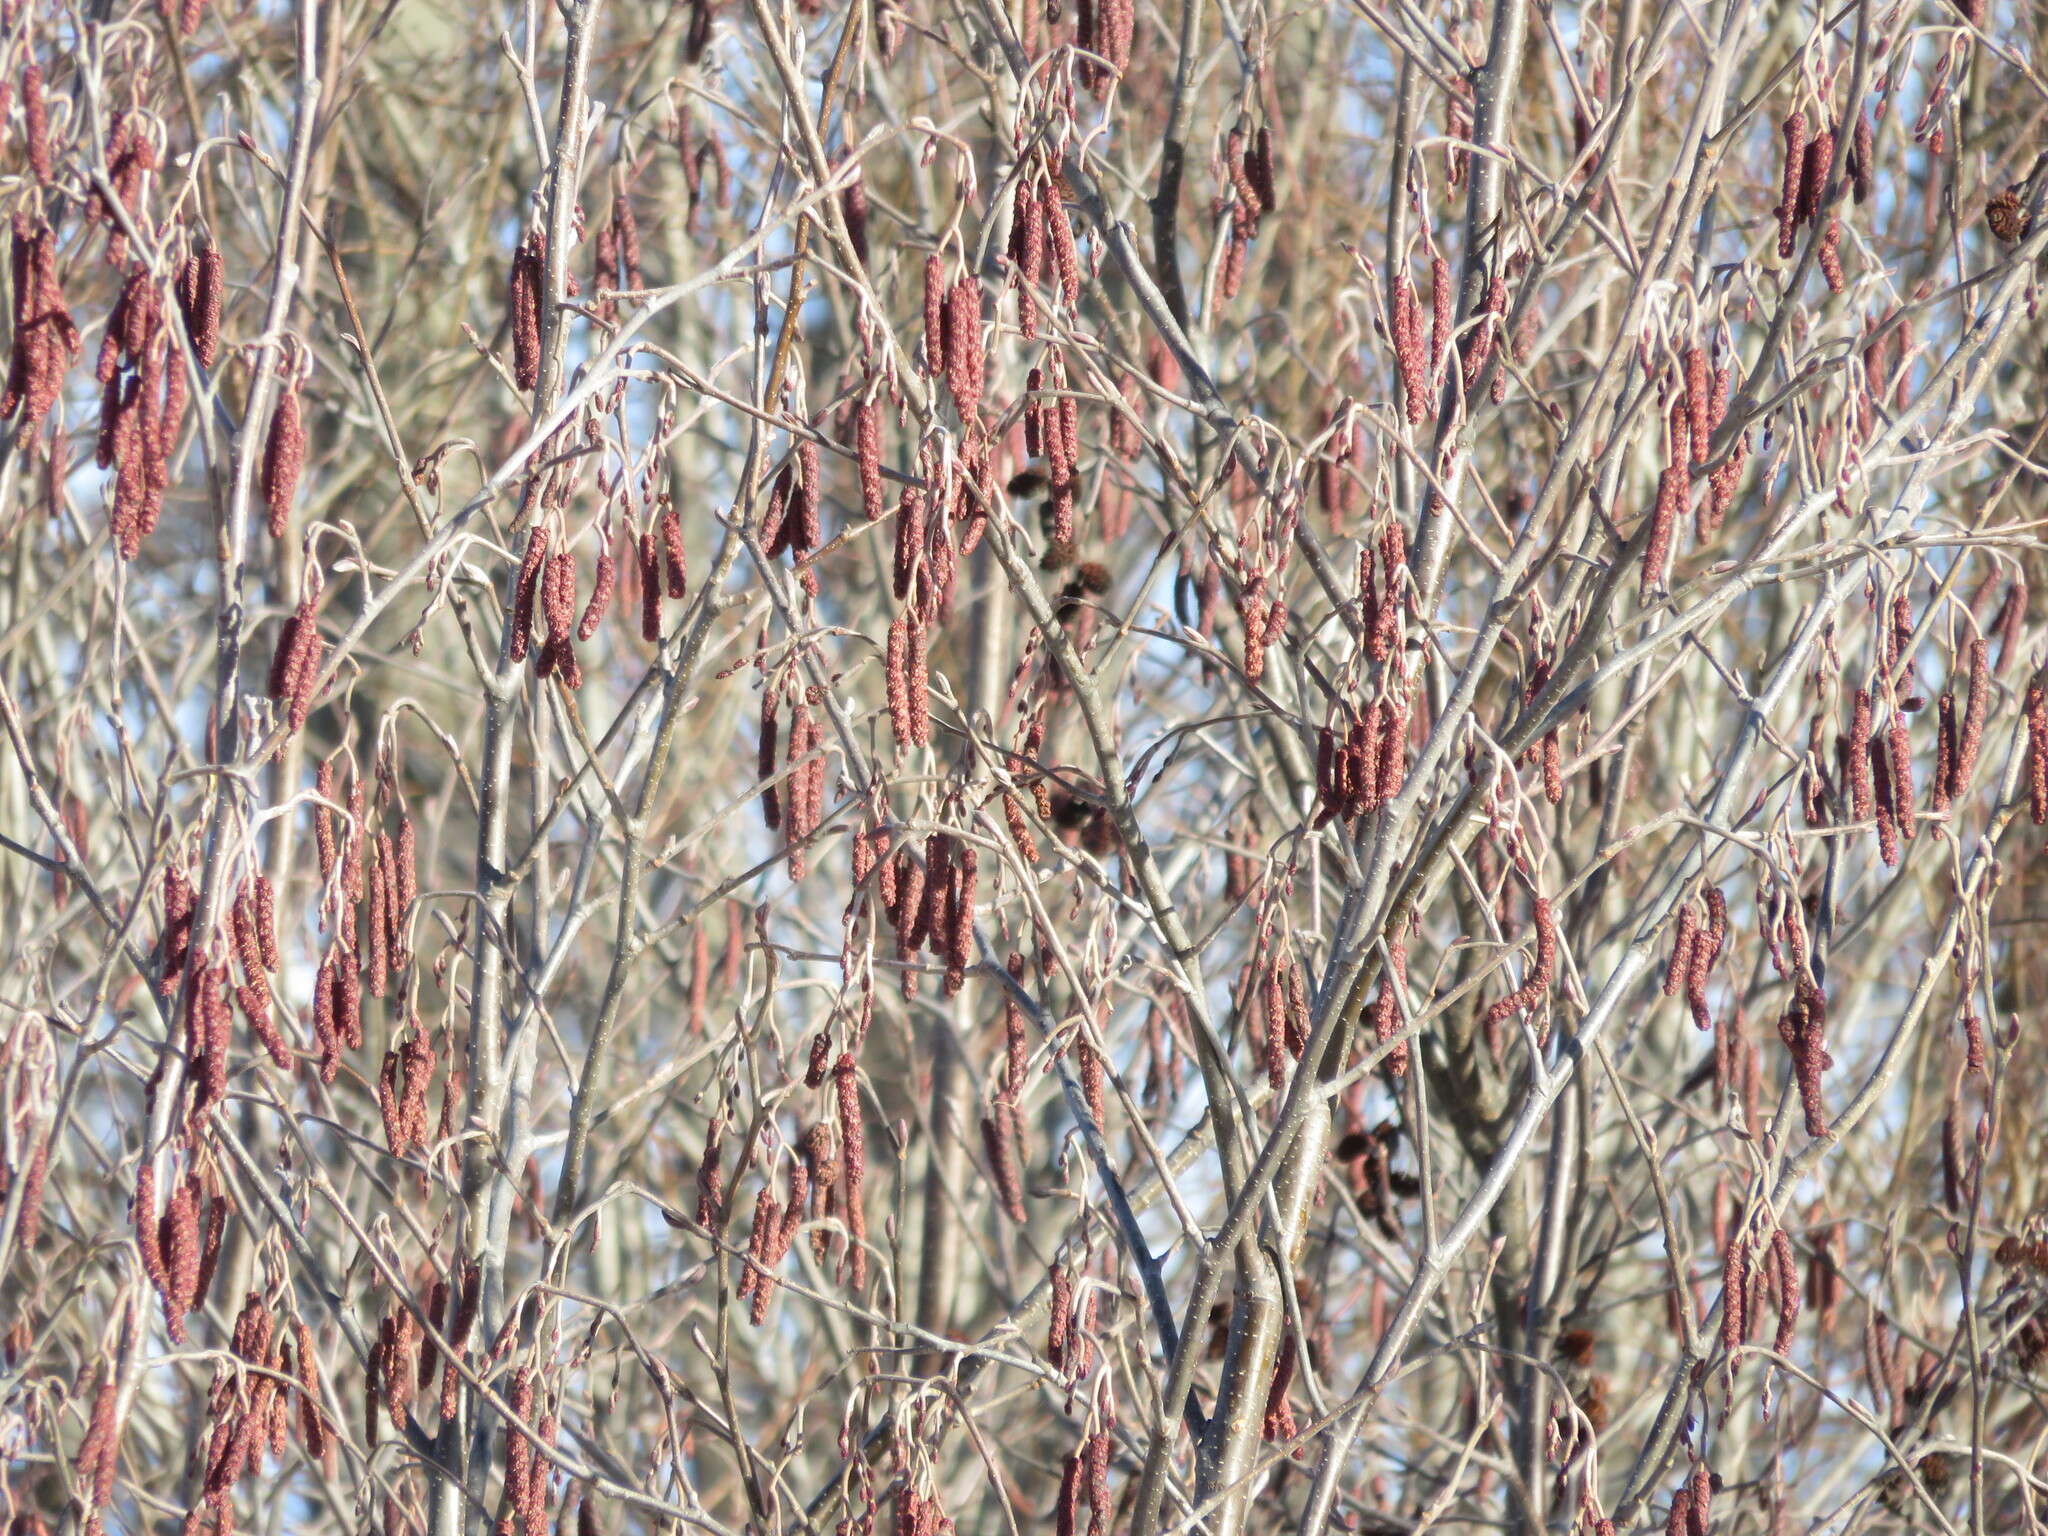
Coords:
2006,214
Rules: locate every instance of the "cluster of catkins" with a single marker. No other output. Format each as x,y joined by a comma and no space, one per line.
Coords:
1417,358
1070,1331
179,1245
793,523
1052,432
372,882
209,1022
1803,1025
1536,983
250,1409
141,369
618,253
546,586
772,1236
805,773
1693,953
1739,1274
1104,30
1872,780
1086,1473
1338,464
142,404
1274,995
1804,187
402,1363
929,904
1248,168
296,663
46,342
528,1473
1039,228
1698,405
826,1182
1359,768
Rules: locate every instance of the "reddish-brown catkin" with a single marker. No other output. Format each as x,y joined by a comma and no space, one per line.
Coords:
1699,401
200,287
867,446
1531,991
675,571
1664,517
1862,792
1813,177
1899,747
1440,313
312,1419
528,265
1792,195
2012,613
1706,949
1940,790
1735,1293
600,595
284,457
526,590
650,590
1976,706
1681,950
853,1163
1066,258
1789,1297
1059,1318
1831,255
148,1232
934,314
964,362
35,120
1000,1148
2037,751
1861,153
766,753
1386,1011
1411,353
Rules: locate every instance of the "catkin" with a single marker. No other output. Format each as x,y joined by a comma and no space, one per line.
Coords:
284,457
1792,195
200,288
600,595
525,591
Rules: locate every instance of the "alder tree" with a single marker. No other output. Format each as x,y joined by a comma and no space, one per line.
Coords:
1210,767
